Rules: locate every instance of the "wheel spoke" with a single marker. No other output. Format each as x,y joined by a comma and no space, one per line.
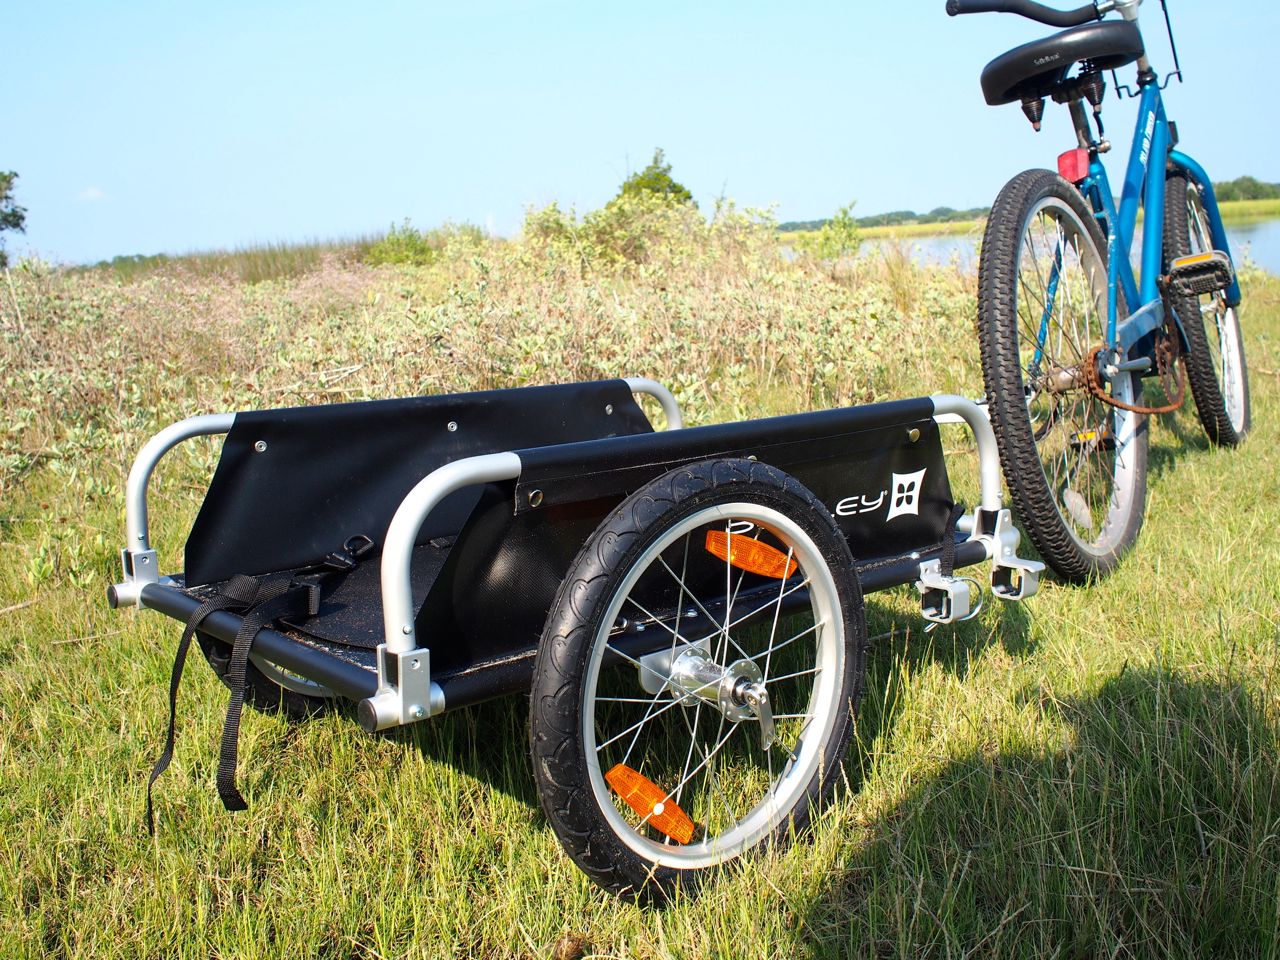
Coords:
798,673
723,794
803,633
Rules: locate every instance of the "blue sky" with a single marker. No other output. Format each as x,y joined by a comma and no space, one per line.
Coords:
148,127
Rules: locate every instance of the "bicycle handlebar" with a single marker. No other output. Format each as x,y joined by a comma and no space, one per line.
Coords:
1026,8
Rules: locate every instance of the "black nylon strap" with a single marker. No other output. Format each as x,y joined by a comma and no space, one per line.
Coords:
239,592
282,597
262,600
947,562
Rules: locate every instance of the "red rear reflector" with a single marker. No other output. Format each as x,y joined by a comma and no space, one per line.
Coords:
1074,165
750,555
650,801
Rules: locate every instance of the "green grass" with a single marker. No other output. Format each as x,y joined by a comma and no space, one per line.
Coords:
252,264
898,231
1095,773
1235,212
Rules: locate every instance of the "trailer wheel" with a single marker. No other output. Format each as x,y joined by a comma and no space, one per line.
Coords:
696,683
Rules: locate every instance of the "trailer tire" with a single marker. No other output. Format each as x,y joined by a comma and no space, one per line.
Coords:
621,562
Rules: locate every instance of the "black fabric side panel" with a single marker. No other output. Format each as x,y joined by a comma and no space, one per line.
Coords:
563,473
292,485
889,494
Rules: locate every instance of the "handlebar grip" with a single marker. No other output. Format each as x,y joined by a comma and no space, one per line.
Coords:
957,7
1026,8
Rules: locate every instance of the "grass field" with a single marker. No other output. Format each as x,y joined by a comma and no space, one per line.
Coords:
1234,213
1095,773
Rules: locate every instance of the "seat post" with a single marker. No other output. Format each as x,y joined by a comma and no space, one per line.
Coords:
1080,120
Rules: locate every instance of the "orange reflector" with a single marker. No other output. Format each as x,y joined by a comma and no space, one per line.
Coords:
750,555
649,800
1193,258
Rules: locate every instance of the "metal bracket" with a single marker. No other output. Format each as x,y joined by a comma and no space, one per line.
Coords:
405,691
140,568
943,599
1012,577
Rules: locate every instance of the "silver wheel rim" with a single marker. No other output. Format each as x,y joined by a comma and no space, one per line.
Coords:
792,762
1087,449
290,680
1221,326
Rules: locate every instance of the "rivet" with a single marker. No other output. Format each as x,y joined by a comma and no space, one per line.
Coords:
417,713
453,426
913,434
261,446
535,498
144,560
608,409
415,664
407,629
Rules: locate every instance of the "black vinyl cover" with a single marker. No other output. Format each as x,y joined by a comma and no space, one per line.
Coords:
890,495
328,473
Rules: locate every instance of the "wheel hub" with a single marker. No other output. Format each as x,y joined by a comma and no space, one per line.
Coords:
1062,380
736,690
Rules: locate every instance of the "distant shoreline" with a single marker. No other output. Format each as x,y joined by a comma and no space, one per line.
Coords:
1234,213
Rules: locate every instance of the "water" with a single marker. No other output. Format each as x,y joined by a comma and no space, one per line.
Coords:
1259,242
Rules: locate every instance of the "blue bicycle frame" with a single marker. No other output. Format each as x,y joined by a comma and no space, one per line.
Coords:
1144,181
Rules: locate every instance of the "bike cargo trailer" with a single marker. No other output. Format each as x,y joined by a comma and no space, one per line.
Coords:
685,605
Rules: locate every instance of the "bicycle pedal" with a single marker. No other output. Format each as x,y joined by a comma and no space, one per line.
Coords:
1093,440
1200,273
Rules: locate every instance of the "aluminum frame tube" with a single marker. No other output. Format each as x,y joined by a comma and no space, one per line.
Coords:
675,420
945,404
397,552
144,465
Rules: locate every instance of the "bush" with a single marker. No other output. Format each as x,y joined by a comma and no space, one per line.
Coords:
407,244
1246,188
839,238
656,179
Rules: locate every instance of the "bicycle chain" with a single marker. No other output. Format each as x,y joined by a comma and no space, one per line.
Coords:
1168,353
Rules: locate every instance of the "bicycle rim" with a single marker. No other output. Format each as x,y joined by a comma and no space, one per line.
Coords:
1086,448
710,767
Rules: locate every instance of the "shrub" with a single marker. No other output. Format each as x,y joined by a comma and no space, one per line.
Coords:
406,244
656,179
839,238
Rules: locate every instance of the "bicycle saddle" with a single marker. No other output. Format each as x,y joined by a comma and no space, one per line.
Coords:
1035,69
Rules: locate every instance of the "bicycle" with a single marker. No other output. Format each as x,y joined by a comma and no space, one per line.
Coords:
1067,333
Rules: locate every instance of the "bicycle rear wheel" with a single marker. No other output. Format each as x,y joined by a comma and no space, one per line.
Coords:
1215,349
1075,465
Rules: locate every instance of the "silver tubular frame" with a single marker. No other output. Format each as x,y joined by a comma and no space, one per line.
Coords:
138,559
406,692
946,599
665,397
949,408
